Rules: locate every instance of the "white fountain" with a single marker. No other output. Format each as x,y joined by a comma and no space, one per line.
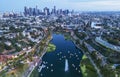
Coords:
66,65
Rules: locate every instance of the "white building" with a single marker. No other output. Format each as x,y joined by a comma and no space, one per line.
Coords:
96,25
8,43
0,15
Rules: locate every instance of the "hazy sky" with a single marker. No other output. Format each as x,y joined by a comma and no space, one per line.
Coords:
78,5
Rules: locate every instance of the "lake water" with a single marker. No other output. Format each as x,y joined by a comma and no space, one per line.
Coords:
64,61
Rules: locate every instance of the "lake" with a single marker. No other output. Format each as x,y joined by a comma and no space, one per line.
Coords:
64,61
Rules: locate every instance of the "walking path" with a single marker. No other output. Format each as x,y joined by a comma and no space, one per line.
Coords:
95,66
35,62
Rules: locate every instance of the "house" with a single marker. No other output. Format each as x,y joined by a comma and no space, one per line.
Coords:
4,58
96,25
1,32
8,43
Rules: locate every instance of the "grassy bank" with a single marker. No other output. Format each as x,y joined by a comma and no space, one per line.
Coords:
51,47
87,68
35,73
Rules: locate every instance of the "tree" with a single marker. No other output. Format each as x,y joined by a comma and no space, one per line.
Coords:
1,47
7,47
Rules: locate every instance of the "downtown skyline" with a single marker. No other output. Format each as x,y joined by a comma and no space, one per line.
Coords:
77,5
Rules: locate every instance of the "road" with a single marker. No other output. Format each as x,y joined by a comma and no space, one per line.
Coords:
95,66
32,66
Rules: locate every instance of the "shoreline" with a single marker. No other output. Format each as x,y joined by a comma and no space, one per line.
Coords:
87,68
44,52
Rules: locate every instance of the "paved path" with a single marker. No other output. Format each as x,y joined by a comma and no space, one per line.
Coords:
95,66
32,66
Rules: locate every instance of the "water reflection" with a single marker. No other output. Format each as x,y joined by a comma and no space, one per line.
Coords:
66,57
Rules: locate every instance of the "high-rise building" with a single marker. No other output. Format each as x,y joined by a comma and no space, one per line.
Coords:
46,11
25,11
35,11
65,12
30,11
54,10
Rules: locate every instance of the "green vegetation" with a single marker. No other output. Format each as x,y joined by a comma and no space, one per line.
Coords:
13,29
117,70
42,45
51,47
80,35
7,47
102,49
1,47
112,56
107,70
113,41
18,72
35,73
67,37
87,68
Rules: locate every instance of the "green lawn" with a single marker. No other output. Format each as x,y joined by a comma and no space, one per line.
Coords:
67,37
87,68
51,47
35,73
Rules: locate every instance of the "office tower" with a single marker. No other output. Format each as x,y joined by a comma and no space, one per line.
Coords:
30,11
36,11
54,10
25,11
46,11
33,11
66,12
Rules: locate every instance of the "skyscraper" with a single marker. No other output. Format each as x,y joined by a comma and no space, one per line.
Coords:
54,10
46,11
25,11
